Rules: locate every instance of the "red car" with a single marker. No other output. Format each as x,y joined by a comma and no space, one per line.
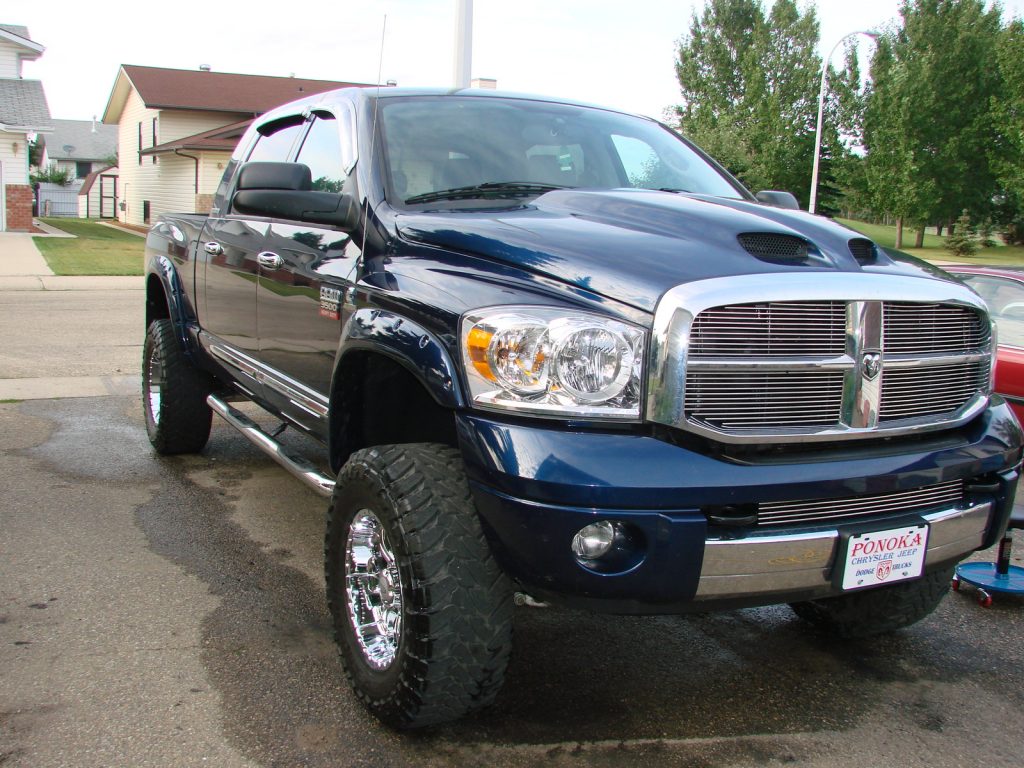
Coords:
1002,288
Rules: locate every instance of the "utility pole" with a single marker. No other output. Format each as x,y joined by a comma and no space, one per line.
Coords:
463,43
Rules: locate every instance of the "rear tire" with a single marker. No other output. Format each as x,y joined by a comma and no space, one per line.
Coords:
880,610
173,394
422,614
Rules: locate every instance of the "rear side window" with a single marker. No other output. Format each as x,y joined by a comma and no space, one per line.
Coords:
276,140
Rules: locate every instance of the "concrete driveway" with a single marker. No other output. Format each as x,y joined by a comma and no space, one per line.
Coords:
170,612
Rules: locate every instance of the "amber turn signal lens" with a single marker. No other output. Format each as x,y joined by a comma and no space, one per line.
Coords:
478,342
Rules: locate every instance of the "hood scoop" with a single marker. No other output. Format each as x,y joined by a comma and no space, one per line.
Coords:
863,250
777,247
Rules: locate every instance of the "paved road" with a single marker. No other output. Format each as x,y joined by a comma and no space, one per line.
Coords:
166,612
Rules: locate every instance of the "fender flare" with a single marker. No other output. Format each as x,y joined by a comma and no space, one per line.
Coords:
407,343
163,269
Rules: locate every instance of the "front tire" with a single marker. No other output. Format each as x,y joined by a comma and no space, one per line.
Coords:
422,614
877,611
173,394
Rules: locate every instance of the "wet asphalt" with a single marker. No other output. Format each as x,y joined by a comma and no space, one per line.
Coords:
171,612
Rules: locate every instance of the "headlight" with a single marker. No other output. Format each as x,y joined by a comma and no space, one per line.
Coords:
553,361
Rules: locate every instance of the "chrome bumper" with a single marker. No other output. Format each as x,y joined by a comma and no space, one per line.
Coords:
762,564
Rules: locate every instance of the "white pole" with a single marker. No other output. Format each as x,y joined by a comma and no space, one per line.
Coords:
812,206
463,43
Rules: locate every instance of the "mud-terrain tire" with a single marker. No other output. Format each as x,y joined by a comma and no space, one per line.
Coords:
402,521
880,610
173,394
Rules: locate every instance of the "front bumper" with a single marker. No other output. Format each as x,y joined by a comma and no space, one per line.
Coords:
536,486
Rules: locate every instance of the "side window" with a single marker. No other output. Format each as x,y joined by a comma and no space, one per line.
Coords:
276,140
322,152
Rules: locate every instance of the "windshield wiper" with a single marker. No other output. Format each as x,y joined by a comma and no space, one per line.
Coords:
491,189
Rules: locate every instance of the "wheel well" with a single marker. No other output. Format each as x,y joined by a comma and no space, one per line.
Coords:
156,301
377,401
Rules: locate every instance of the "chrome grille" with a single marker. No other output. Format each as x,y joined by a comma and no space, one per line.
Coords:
929,328
828,510
773,328
777,369
914,392
742,400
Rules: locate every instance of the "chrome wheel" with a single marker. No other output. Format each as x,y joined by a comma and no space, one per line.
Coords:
374,590
154,383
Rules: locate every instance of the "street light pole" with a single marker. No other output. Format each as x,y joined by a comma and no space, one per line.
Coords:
812,206
463,43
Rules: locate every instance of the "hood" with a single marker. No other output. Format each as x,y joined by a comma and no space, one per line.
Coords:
634,245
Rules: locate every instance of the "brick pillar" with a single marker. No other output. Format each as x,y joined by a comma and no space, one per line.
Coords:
19,208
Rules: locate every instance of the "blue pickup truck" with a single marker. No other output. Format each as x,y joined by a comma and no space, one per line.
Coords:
556,354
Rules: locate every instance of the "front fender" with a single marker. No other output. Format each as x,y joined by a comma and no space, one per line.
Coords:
407,343
162,269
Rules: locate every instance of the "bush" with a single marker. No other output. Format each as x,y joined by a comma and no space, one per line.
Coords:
52,175
960,241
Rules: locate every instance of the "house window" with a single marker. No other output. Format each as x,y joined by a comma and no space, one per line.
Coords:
140,143
145,211
154,138
82,169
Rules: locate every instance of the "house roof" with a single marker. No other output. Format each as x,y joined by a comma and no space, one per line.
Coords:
161,88
85,143
15,33
223,139
23,106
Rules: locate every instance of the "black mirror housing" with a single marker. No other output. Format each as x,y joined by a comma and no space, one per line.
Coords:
778,199
284,191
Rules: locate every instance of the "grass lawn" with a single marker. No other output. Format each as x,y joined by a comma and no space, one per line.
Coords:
935,247
96,249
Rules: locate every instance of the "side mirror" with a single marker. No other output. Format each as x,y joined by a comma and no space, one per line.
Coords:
283,191
778,199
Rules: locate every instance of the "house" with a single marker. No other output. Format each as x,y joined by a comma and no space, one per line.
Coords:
177,129
23,115
80,147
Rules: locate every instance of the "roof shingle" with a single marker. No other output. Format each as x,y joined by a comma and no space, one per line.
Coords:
23,105
163,88
86,144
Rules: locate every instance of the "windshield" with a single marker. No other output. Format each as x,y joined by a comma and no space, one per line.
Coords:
433,145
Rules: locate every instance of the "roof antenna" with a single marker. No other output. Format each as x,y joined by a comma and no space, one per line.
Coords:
373,132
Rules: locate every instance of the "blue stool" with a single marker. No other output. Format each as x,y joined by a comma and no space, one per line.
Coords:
999,576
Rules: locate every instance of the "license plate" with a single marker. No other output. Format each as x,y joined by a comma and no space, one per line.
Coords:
882,557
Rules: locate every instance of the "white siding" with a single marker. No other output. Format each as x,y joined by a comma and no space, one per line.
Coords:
138,182
178,123
15,162
10,63
211,169
169,183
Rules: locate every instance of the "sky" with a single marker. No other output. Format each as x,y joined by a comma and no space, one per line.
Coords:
619,53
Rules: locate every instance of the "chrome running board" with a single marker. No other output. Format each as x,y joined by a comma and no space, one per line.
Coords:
296,465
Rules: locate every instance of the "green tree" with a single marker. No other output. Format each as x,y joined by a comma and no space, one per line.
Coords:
960,241
749,86
928,121
1007,152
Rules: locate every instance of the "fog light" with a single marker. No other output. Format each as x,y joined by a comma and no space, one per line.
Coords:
594,540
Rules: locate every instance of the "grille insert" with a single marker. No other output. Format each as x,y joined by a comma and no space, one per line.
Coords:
758,399
772,328
912,392
827,510
924,328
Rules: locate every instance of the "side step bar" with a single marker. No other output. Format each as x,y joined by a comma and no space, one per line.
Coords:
298,466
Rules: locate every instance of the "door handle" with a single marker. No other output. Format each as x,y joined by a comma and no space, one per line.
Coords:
213,248
269,260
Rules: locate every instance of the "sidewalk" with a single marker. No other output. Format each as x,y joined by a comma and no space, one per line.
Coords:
23,268
20,257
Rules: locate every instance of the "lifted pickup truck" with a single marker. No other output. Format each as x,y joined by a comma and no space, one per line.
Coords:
555,351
